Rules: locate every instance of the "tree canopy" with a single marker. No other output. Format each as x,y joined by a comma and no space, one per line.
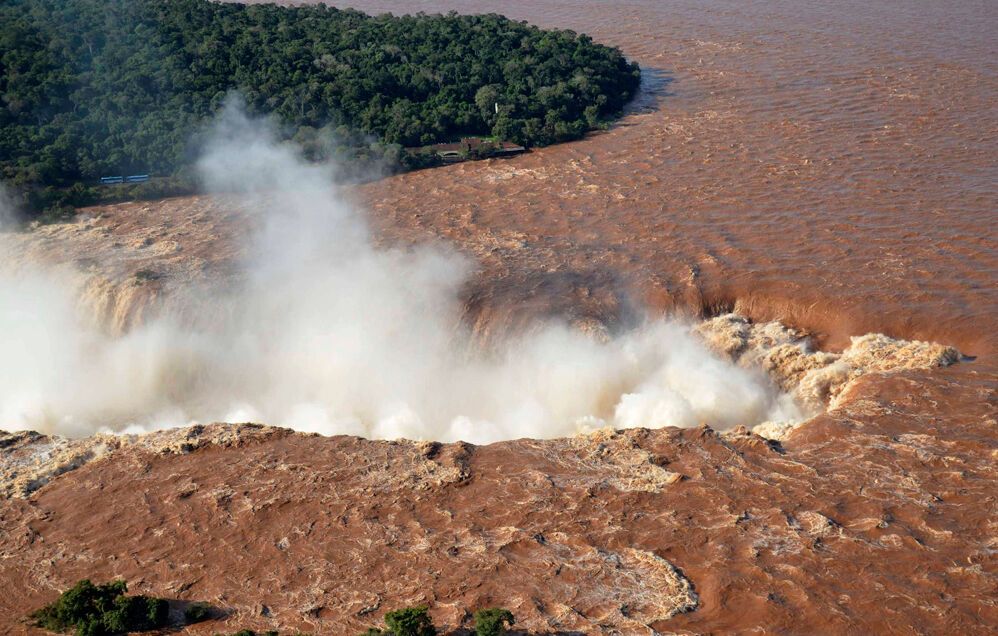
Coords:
90,88
97,610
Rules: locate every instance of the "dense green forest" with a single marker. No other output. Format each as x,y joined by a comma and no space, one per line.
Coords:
92,88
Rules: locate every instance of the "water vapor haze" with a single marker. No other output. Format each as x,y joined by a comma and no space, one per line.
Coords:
8,211
322,331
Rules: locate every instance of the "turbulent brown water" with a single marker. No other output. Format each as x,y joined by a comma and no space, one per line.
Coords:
833,161
833,165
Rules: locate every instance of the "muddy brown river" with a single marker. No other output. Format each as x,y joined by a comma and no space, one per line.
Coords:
833,164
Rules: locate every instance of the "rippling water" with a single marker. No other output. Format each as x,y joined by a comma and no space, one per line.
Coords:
830,164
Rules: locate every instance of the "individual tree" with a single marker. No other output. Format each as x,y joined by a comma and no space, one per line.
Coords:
410,621
493,621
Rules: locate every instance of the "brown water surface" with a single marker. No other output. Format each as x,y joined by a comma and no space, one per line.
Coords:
831,164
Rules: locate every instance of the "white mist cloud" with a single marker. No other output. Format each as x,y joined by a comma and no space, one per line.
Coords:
324,332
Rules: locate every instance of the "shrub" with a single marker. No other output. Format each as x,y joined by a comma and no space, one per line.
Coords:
493,621
96,610
410,621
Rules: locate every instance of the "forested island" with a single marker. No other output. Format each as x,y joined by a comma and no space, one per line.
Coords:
92,88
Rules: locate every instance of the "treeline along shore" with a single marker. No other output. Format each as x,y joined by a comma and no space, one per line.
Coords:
105,88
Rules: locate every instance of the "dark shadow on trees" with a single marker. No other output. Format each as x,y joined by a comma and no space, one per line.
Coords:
178,608
653,91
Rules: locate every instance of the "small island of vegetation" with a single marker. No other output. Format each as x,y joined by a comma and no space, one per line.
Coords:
106,610
96,610
99,88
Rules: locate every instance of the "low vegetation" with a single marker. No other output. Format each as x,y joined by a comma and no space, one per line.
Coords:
410,621
94,88
415,621
103,610
493,621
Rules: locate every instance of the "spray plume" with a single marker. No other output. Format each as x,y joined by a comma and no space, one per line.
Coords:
322,331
